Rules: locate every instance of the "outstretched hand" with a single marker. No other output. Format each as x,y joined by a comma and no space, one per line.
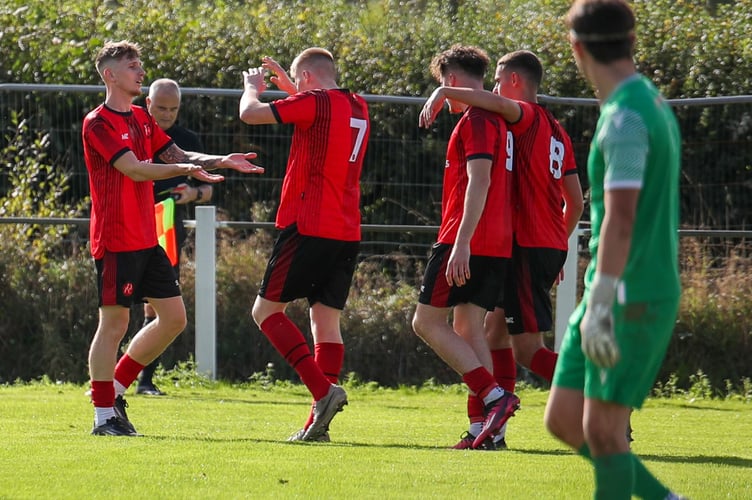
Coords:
431,108
202,175
241,162
254,77
279,76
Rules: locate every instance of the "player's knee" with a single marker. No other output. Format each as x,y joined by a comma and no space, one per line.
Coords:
174,324
563,424
417,325
553,424
602,437
421,325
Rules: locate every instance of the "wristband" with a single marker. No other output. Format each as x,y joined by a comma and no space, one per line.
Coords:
199,194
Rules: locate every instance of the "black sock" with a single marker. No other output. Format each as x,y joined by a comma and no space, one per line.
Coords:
147,372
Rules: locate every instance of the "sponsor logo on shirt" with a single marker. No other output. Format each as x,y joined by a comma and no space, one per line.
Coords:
125,136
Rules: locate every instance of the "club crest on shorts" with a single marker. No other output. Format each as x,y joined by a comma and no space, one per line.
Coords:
128,289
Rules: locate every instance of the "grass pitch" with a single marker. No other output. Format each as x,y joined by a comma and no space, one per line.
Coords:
229,442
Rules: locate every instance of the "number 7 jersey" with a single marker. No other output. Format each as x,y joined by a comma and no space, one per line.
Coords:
321,188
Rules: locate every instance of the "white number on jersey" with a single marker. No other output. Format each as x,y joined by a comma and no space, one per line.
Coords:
556,158
510,151
361,126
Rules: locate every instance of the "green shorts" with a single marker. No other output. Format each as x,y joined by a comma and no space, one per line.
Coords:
643,331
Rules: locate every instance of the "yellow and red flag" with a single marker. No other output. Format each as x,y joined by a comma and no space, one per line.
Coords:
164,211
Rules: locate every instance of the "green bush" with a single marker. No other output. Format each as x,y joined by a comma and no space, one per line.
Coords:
47,319
47,289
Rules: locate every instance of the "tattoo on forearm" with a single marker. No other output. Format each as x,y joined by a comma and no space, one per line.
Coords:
174,154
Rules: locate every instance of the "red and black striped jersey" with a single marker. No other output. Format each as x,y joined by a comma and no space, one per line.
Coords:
122,210
321,188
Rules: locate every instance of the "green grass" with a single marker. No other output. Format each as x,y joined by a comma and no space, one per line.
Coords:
229,442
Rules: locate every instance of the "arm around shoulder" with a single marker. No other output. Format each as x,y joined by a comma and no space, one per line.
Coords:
509,109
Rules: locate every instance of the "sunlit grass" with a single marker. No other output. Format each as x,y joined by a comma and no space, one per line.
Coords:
229,442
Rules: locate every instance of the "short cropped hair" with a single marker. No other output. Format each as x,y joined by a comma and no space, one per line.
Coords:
467,58
316,57
525,62
115,51
605,27
164,84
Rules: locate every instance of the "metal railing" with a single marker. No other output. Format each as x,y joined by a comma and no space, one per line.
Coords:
725,134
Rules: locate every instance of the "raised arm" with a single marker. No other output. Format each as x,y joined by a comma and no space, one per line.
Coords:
279,76
252,111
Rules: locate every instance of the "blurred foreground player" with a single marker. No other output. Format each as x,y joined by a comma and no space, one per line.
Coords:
618,335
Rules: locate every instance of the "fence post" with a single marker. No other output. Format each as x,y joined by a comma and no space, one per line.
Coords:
206,288
566,291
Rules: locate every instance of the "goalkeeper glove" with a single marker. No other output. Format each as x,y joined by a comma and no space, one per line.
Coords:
597,326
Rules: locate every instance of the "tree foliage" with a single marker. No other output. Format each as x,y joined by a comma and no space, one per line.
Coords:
689,48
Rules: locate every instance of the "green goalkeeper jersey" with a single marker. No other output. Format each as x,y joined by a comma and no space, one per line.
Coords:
637,145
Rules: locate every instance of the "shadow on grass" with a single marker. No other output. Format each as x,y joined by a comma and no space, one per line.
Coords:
342,444
218,399
700,459
249,440
695,407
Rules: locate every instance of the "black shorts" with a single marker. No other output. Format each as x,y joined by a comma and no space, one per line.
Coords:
527,295
125,278
318,269
487,276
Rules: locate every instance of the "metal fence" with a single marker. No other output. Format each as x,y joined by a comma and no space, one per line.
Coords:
402,177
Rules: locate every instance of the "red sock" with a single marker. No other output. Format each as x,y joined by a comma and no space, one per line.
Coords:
329,356
544,362
102,393
290,343
504,368
475,411
479,381
127,370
